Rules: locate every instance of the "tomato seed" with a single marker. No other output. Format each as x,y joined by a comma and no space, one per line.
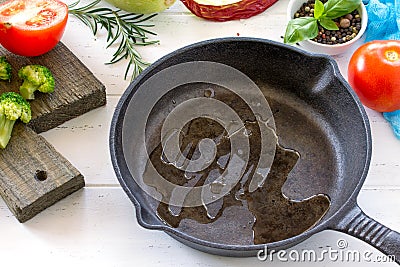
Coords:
392,55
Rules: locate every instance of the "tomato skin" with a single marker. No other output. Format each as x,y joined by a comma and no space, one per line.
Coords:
374,74
32,40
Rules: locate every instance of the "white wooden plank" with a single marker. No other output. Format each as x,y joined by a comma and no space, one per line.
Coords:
87,145
385,163
175,30
97,227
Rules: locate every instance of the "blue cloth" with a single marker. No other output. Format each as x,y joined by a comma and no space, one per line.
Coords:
384,24
383,20
394,119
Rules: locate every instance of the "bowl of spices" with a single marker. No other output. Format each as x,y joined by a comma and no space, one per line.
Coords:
325,26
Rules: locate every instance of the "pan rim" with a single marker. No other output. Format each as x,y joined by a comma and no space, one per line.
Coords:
115,134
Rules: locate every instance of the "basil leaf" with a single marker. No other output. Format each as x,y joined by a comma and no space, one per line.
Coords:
318,9
328,24
300,29
338,8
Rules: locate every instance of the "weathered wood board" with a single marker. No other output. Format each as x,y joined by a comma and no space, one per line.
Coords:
76,91
33,175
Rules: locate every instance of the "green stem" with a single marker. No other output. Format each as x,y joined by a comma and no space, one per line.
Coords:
126,28
6,127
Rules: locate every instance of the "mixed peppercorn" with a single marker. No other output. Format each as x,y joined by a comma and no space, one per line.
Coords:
349,25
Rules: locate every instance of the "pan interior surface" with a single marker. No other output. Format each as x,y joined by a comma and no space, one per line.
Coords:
321,145
262,216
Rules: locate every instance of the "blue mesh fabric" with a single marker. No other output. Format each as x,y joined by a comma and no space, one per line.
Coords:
384,24
383,20
394,119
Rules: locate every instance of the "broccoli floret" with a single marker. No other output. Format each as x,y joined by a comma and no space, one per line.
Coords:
12,107
36,77
5,69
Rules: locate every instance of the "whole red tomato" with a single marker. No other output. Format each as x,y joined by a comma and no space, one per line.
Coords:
32,27
374,74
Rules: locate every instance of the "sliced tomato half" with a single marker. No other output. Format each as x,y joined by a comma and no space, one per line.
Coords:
32,27
224,10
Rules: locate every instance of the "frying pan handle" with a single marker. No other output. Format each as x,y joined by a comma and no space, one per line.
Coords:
356,223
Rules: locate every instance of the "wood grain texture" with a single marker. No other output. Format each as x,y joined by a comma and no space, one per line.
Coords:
25,155
76,89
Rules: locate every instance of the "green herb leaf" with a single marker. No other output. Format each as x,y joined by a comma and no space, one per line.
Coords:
328,24
318,9
338,8
300,29
126,28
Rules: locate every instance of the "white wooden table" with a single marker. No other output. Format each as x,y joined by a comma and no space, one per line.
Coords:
96,226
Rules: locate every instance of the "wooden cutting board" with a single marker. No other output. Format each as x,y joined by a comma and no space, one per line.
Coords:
33,175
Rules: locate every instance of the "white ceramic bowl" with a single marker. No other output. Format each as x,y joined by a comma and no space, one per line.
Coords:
315,47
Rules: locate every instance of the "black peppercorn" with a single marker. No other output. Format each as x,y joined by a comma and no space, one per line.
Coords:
349,25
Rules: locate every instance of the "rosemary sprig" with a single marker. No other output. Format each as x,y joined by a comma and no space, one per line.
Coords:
126,28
